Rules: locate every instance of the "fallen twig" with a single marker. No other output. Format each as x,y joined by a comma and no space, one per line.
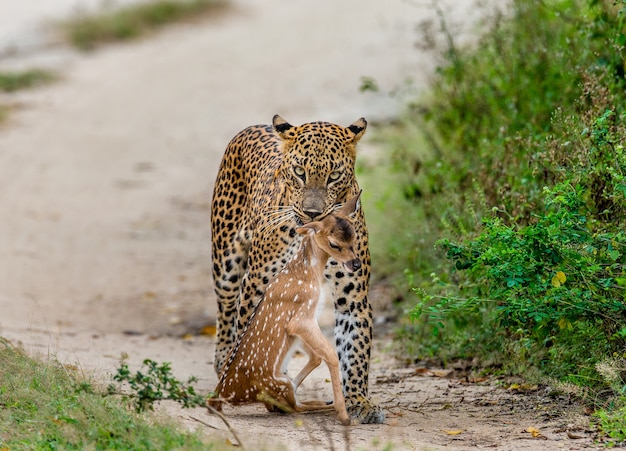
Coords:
232,431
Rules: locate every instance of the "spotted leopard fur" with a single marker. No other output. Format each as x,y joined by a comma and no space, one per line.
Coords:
271,180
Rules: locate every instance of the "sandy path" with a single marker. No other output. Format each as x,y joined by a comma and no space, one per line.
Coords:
105,182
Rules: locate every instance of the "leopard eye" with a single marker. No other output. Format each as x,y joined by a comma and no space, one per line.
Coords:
334,176
299,171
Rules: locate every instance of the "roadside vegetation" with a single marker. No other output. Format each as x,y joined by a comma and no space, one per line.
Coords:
45,405
12,81
508,223
87,31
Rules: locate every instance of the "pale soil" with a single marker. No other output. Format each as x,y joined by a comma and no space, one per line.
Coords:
105,183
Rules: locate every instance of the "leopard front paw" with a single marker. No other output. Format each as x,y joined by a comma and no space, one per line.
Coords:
362,410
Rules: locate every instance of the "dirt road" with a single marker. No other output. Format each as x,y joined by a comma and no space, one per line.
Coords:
105,183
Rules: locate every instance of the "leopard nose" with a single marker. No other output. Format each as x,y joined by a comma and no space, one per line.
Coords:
312,213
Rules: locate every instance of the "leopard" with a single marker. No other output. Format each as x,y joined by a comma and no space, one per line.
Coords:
273,179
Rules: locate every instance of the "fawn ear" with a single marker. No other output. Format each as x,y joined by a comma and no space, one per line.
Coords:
352,205
284,129
309,229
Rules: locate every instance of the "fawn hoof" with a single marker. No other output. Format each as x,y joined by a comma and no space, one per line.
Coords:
363,411
345,420
214,404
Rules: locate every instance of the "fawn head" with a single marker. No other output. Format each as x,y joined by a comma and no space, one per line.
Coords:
335,234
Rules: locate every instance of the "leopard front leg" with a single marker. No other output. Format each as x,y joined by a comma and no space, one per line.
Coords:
353,338
229,266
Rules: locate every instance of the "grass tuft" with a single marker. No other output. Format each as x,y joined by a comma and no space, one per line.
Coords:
16,81
89,31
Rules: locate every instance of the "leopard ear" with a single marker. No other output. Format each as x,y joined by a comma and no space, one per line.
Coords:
356,130
284,129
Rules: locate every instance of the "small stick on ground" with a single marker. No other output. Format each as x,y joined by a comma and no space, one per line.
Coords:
232,431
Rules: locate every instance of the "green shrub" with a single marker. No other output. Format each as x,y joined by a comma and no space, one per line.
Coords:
521,181
155,383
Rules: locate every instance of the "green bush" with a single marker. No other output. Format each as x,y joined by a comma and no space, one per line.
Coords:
155,383
521,177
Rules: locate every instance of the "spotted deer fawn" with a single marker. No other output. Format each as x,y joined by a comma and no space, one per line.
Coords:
255,370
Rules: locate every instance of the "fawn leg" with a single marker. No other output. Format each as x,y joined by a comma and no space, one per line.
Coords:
313,338
314,362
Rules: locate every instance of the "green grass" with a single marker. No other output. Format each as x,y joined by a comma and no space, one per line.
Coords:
12,81
47,406
88,31
390,209
19,80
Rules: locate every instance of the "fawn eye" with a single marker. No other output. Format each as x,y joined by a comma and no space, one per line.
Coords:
334,246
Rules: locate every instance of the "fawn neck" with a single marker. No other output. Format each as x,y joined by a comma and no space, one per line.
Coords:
310,258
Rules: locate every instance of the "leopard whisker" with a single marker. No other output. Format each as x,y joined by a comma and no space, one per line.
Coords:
273,218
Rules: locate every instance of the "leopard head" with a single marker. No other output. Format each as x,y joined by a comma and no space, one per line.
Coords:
317,165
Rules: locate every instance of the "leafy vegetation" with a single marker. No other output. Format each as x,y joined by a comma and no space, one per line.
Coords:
514,169
88,31
45,406
156,383
18,80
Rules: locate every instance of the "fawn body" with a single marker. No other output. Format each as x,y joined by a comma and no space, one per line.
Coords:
255,370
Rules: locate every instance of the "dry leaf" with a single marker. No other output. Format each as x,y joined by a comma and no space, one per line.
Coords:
523,387
453,432
534,431
209,329
529,387
476,380
574,436
439,373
